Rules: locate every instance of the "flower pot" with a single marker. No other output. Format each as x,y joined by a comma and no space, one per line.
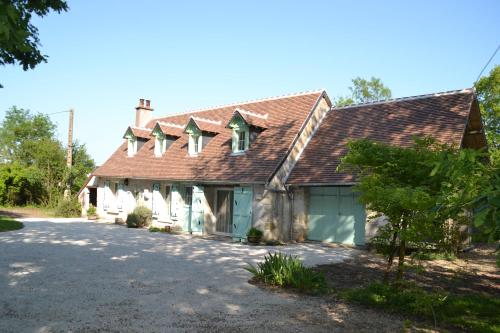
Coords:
92,217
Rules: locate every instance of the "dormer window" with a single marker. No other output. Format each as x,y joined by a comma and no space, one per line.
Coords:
136,137
246,126
200,131
131,146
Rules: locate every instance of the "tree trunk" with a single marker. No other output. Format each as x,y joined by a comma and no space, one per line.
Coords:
392,249
401,259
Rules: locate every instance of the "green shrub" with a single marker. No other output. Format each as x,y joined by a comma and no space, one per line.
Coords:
92,211
427,255
69,208
156,229
254,232
140,217
287,271
132,220
474,312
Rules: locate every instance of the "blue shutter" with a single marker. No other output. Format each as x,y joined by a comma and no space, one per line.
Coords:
156,199
242,211
197,213
120,197
105,195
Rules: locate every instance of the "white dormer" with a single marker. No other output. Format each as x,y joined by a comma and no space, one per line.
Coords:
160,141
131,142
200,131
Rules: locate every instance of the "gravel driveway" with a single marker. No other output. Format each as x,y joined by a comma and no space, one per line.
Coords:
69,276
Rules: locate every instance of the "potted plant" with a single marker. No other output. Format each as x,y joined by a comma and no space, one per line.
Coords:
254,235
92,213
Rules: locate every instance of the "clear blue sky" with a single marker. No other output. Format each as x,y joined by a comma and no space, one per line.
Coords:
183,55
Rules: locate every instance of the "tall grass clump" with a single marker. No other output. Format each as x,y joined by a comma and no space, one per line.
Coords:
287,271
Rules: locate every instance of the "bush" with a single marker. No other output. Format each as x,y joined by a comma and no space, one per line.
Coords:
92,211
254,232
140,217
287,271
69,208
156,229
474,312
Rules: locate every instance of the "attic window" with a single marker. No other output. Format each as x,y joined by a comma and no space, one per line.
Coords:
200,131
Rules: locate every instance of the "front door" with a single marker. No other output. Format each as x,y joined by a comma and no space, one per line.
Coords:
224,209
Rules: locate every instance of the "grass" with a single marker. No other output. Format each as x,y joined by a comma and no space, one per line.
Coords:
287,271
434,256
474,312
8,224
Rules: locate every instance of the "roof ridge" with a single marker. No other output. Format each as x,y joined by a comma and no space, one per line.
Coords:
265,99
408,98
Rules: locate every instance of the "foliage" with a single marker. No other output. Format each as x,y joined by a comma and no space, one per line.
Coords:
424,190
132,220
92,211
473,312
140,217
488,95
432,255
8,224
19,40
364,91
69,208
254,232
156,229
287,271
33,161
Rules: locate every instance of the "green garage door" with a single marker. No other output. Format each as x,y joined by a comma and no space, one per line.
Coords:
335,215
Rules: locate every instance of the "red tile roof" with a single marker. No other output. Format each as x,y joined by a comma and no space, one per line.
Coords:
216,163
443,116
144,133
171,129
252,119
207,125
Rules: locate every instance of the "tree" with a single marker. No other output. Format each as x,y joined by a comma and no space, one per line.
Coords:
488,94
19,39
32,155
425,191
364,91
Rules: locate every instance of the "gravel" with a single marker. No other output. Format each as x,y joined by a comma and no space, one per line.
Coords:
73,276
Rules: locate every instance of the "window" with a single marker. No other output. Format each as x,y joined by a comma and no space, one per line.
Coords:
131,146
241,140
167,199
196,144
159,146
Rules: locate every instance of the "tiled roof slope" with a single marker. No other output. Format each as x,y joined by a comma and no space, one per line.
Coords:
215,163
442,116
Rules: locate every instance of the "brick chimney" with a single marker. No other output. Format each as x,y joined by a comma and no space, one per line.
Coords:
143,113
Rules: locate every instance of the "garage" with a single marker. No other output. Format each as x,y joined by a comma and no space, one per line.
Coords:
335,215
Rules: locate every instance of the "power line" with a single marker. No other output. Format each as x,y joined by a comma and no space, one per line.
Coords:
491,58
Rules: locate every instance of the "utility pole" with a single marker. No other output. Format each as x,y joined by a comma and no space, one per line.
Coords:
69,152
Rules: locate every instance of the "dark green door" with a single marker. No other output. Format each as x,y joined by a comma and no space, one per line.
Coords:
335,215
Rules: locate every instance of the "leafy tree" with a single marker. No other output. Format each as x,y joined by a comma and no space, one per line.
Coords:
364,91
488,94
19,127
425,191
19,39
34,161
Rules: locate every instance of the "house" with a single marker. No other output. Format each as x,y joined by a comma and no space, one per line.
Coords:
269,163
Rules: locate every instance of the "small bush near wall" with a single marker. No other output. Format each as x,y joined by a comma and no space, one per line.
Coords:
287,271
140,217
69,208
